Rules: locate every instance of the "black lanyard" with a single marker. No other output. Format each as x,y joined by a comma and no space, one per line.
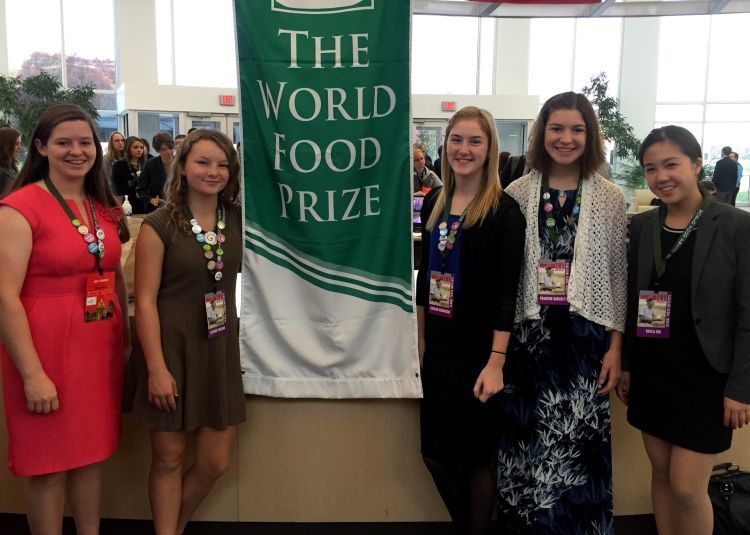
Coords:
96,249
660,263
550,219
449,239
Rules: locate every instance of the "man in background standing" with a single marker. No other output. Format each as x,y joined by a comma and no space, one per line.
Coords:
725,176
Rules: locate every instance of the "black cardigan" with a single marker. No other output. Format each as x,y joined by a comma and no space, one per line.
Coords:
490,262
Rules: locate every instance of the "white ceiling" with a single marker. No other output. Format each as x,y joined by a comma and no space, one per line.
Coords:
607,8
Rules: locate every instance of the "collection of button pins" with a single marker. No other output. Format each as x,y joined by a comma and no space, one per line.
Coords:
207,241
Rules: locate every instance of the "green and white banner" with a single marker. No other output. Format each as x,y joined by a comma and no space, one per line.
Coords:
327,304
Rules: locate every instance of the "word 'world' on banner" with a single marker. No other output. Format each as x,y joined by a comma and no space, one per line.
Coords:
327,299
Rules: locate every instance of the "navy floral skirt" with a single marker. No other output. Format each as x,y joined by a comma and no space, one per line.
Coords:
554,460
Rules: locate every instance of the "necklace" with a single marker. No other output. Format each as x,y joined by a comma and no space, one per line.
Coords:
211,243
94,241
549,209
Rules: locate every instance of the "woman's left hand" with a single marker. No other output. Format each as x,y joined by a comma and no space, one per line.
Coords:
489,382
736,414
610,373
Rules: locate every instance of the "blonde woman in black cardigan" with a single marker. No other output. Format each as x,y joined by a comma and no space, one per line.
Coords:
466,289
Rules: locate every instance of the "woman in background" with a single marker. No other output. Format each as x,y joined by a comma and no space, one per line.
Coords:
62,357
554,463
125,172
687,384
115,151
10,151
188,254
466,293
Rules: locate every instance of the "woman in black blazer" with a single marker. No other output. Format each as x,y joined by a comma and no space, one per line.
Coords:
473,237
687,378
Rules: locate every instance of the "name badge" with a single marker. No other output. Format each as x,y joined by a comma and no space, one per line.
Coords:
552,282
216,317
654,309
100,297
441,294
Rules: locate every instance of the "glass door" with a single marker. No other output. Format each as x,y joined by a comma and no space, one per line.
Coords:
228,124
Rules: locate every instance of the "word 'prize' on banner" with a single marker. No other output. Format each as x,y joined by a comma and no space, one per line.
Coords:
327,299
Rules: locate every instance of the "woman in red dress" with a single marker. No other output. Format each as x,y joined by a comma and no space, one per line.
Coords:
64,331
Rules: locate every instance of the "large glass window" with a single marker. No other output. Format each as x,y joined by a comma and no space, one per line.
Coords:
565,54
444,55
728,75
89,43
683,49
149,123
34,40
185,58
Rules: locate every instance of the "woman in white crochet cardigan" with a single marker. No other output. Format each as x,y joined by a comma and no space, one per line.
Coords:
554,462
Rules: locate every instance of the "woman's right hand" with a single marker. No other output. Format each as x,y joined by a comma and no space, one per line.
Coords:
623,387
41,394
162,390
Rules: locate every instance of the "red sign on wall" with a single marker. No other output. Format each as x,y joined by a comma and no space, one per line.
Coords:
226,100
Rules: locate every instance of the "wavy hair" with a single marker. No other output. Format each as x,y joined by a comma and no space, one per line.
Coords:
95,183
129,144
177,187
488,196
593,153
8,138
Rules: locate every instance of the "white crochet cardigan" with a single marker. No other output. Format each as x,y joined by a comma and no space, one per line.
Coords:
597,286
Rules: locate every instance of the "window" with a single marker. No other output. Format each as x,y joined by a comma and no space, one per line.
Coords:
34,42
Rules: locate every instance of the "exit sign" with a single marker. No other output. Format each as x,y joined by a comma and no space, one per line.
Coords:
226,100
449,105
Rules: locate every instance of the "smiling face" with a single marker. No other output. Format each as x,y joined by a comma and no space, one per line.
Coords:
70,150
671,174
565,138
206,168
467,149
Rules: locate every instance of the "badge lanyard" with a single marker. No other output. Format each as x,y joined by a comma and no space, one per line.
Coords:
548,208
211,243
660,263
94,241
447,238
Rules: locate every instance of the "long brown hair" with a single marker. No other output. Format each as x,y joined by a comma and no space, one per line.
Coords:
8,138
113,154
488,196
177,188
36,166
129,144
593,153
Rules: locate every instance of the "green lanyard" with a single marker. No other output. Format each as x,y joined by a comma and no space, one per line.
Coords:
212,244
94,241
447,239
661,262
548,208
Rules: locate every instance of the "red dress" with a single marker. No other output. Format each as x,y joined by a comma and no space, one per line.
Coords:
83,360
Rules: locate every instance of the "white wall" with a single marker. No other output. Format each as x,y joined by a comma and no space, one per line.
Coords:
516,107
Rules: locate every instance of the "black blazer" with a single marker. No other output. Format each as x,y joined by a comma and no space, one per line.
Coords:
725,174
151,182
720,289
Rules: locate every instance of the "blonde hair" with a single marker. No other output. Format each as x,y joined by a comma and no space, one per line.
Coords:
488,197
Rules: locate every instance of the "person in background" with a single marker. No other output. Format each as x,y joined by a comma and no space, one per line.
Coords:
62,370
515,168
473,250
504,157
427,159
555,461
423,179
688,388
725,176
437,165
10,152
115,151
188,254
147,148
150,188
126,172
736,157
178,141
